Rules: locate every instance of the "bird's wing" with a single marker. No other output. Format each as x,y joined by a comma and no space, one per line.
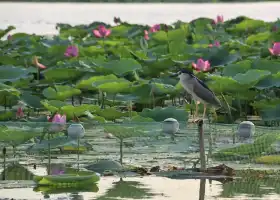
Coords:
203,92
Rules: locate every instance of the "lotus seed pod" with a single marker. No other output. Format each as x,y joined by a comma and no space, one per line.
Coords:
76,131
170,126
246,129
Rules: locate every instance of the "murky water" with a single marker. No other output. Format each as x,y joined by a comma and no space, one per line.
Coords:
156,188
41,17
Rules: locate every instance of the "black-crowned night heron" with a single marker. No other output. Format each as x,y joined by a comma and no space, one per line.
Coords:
198,90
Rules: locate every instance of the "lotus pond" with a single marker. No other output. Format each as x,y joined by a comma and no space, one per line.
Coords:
115,81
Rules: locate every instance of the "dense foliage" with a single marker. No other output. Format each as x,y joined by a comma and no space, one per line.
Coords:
100,71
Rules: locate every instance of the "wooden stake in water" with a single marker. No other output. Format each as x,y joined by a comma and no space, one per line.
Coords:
201,145
202,189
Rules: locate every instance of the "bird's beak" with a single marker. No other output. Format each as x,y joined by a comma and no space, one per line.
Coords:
174,75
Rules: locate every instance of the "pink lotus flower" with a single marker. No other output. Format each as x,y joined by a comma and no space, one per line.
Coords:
19,113
59,122
71,51
201,65
146,35
155,28
219,19
61,119
216,44
9,37
101,32
36,62
275,50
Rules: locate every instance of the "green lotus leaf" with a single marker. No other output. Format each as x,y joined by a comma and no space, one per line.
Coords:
78,111
120,67
126,97
111,113
60,74
9,96
123,132
11,59
155,66
220,56
115,87
61,92
55,190
251,25
266,104
54,143
54,103
139,118
238,67
259,37
177,47
160,36
269,65
31,100
251,77
149,92
220,84
91,83
15,137
120,30
270,110
11,73
91,51
274,36
99,119
51,108
6,115
74,32
177,34
269,82
160,114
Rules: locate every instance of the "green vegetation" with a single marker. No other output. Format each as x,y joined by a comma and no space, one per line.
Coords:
104,78
261,145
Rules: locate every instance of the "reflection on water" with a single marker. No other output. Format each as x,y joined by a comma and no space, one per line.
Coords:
127,190
114,188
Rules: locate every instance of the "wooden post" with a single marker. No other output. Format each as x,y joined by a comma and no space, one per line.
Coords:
201,145
202,189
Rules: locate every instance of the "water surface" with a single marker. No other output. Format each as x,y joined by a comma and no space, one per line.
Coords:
41,17
18,184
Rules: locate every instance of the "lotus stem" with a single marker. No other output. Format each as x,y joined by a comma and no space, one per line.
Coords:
49,154
130,109
121,151
4,150
38,74
228,108
78,155
5,102
72,100
14,151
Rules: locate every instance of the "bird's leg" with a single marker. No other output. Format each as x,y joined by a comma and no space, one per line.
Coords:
196,110
204,111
